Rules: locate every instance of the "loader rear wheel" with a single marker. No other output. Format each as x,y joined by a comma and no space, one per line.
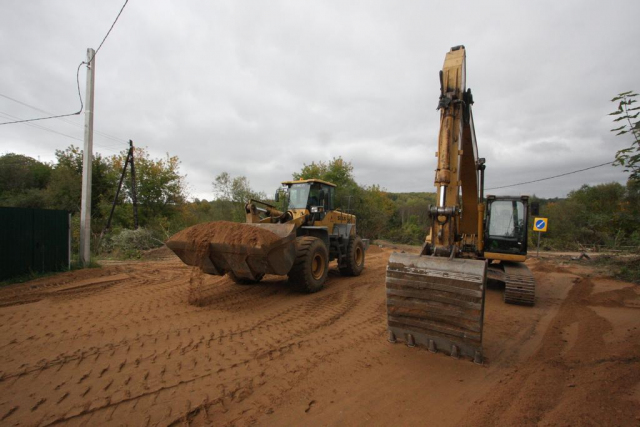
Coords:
311,267
355,257
243,281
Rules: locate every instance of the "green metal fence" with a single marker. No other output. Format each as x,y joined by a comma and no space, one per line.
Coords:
33,240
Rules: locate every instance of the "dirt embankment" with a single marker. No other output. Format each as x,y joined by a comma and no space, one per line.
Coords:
122,346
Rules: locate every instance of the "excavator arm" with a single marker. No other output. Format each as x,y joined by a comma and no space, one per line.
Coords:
436,299
457,217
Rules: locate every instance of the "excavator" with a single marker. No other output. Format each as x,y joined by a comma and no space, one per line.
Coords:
436,299
299,241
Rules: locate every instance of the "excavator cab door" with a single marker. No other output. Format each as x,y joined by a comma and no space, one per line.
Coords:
506,225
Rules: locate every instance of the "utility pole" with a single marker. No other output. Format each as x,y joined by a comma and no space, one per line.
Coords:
134,191
87,162
134,196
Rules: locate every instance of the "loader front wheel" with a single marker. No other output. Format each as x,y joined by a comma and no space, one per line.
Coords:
311,267
242,280
354,263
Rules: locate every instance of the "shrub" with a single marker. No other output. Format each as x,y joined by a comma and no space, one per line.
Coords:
129,243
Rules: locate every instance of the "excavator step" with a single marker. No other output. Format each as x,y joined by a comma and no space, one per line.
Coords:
436,303
519,284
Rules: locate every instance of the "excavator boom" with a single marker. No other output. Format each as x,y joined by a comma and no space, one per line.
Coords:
436,299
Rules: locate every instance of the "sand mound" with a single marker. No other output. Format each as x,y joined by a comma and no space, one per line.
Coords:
232,233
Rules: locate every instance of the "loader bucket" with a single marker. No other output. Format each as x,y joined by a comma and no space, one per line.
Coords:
437,303
247,250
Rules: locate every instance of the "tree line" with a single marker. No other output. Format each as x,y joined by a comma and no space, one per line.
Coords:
602,215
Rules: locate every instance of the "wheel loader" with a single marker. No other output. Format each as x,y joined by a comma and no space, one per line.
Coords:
299,242
436,299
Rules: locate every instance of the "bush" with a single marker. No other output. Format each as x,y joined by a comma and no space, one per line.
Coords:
129,243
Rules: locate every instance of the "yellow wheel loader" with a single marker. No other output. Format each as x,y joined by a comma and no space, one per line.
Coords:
436,299
299,242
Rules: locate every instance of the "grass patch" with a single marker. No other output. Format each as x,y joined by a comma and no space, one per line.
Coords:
625,268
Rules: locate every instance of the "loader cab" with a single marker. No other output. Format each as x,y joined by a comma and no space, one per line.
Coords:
316,196
506,228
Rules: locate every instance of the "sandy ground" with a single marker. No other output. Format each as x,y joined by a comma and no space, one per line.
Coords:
121,345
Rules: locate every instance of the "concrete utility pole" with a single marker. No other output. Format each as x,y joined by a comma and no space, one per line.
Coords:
87,161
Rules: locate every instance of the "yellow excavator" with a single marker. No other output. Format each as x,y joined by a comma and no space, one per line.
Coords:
436,299
300,241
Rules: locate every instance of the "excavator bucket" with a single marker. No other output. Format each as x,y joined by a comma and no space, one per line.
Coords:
247,250
437,303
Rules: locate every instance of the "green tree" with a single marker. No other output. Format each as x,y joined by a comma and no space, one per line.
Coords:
338,172
65,188
160,190
23,181
371,205
602,215
232,193
628,157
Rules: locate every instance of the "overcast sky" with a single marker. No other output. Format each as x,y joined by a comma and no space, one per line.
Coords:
258,88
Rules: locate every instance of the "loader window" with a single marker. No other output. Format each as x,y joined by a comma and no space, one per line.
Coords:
314,196
332,196
506,219
298,196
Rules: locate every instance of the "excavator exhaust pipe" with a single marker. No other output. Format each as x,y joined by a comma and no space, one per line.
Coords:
437,303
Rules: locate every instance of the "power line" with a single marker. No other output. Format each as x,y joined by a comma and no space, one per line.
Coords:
115,148
551,177
60,115
106,135
41,127
77,79
109,32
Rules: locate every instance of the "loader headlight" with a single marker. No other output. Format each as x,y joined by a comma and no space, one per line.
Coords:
316,209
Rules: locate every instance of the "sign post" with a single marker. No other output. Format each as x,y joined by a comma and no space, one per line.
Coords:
540,225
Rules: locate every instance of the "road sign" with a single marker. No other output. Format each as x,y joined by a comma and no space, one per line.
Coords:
540,224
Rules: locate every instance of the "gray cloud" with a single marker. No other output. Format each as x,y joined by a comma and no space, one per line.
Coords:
259,88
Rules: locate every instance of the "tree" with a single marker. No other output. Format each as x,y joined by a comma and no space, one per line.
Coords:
628,157
23,181
371,205
65,187
338,172
160,189
231,196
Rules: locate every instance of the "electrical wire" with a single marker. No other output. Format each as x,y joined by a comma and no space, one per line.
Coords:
114,148
108,32
551,177
41,127
77,80
104,134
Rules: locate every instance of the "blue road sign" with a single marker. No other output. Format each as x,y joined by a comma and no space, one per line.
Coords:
540,224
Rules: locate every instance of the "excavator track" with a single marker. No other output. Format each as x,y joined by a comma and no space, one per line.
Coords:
519,284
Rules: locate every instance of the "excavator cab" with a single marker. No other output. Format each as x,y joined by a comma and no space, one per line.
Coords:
506,228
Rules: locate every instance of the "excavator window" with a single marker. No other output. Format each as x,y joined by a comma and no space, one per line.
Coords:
506,218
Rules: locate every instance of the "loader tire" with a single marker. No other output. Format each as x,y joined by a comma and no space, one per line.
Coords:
243,281
354,263
311,267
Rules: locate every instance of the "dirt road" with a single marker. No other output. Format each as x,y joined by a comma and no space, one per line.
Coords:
121,345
